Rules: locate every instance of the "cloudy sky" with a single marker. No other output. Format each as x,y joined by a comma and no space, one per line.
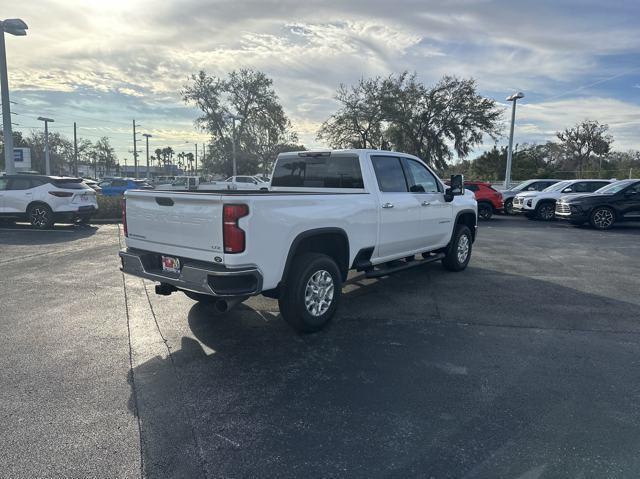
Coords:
103,63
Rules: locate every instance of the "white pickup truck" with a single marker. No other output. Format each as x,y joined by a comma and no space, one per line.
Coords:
325,214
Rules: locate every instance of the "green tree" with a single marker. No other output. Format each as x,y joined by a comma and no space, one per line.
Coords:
434,123
103,156
359,121
584,141
262,123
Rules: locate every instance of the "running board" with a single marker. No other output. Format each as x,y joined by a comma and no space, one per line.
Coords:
376,273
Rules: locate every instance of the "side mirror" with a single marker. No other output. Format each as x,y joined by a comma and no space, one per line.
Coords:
531,188
456,187
567,190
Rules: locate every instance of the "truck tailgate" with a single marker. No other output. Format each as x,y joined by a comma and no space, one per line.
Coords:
180,224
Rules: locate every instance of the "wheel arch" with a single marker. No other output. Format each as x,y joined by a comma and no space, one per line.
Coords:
468,218
38,202
333,242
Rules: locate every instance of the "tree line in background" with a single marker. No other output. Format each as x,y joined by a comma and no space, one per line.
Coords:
439,123
582,151
98,154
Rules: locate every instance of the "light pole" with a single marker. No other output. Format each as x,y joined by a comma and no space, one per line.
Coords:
147,136
47,156
13,26
233,141
507,175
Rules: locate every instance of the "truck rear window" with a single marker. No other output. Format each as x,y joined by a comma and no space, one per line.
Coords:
335,171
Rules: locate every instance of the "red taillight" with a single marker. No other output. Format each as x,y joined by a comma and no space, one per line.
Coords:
124,216
233,235
61,194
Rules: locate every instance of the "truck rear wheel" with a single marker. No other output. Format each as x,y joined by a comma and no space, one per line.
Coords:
459,251
312,292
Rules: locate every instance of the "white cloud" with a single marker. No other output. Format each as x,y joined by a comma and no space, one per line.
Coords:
140,54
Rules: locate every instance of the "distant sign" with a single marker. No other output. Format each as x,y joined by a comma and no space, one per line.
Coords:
22,158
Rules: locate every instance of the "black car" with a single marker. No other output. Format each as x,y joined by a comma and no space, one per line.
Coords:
619,201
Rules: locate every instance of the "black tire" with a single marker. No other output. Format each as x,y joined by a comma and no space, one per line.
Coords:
508,207
546,211
485,211
309,314
602,218
40,216
454,261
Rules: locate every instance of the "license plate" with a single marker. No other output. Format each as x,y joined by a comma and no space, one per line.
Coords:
170,264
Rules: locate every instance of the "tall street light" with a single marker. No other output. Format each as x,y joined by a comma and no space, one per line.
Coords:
13,26
147,136
233,118
47,155
513,98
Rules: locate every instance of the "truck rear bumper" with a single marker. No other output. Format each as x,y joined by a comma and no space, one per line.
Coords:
197,276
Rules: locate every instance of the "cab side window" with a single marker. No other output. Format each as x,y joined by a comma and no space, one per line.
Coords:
420,179
389,174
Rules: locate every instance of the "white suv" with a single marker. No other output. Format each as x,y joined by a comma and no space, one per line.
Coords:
43,200
542,204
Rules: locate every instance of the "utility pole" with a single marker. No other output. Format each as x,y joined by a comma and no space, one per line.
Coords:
135,150
147,136
47,154
196,158
75,150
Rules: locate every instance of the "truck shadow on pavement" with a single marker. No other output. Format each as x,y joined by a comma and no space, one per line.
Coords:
422,374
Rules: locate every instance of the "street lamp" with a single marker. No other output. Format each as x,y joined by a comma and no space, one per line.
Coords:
47,156
233,118
513,98
17,27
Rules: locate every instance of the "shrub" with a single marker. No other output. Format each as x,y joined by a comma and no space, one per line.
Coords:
109,207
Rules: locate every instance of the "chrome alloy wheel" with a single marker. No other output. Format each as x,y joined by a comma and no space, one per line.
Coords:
318,294
39,217
603,218
463,249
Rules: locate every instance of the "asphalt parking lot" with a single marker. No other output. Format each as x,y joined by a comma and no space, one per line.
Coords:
527,365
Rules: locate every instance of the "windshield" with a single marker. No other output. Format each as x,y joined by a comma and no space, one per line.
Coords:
614,187
558,186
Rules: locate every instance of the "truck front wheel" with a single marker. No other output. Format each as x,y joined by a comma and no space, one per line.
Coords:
459,251
312,292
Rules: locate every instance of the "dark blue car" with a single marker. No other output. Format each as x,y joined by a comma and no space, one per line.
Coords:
117,186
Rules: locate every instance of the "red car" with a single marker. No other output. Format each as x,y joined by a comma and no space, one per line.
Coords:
489,200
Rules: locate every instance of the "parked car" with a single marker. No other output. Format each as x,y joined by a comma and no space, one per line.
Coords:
529,185
92,184
542,205
489,199
44,200
327,213
117,186
616,202
247,183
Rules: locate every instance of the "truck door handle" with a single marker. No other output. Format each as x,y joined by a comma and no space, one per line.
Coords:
425,203
387,205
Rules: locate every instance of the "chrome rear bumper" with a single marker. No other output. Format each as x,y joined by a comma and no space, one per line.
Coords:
197,276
